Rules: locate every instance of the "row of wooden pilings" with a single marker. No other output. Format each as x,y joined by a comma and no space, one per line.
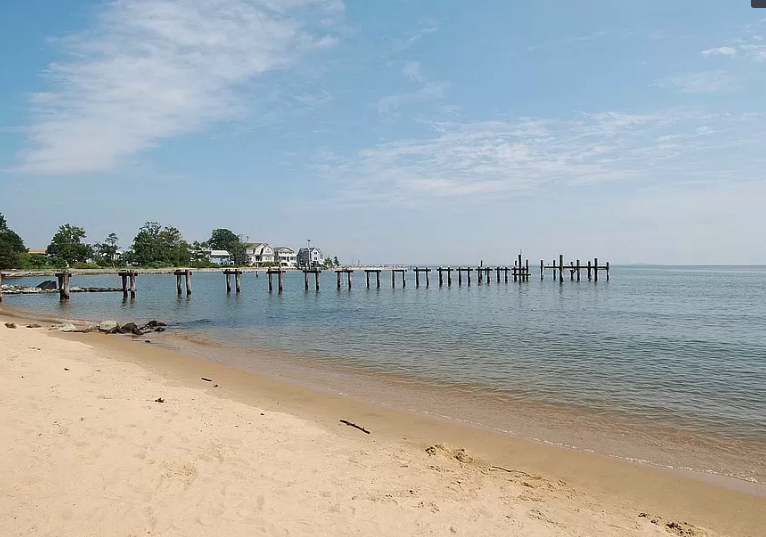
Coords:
518,272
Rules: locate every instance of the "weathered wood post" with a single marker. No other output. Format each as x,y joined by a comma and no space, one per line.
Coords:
441,279
497,270
542,268
377,278
281,281
227,273
316,279
506,274
554,271
449,276
481,274
124,277
306,280
417,277
561,267
571,271
238,280
468,270
460,276
348,274
64,285
188,282
404,278
595,269
527,274
367,275
578,270
271,285
428,282
178,281
607,271
393,278
337,276
589,274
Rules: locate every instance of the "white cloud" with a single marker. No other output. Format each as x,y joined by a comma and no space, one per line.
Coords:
154,69
704,82
720,51
492,160
756,52
388,106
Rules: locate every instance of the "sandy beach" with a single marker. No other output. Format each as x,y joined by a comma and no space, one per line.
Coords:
103,435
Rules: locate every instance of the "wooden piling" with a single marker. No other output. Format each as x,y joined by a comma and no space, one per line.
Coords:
595,269
417,277
238,281
228,280
441,278
459,277
348,274
468,270
178,282
367,275
542,267
526,270
449,276
281,281
337,276
561,267
607,271
571,271
316,280
377,278
589,274
63,279
393,279
578,270
124,285
481,274
271,285
306,280
188,275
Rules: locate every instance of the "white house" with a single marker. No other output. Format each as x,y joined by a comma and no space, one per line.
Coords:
259,253
219,257
310,257
285,257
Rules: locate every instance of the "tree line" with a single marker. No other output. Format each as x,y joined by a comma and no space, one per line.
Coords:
154,246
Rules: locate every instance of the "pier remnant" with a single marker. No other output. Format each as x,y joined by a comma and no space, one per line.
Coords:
280,279
63,283
237,279
183,274
315,272
128,282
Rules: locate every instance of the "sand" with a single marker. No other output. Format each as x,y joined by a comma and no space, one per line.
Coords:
100,436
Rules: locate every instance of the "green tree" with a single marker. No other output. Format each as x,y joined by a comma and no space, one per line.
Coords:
11,246
106,252
67,244
225,239
335,261
155,245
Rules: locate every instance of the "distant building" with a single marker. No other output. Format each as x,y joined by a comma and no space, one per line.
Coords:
310,257
285,257
219,257
259,254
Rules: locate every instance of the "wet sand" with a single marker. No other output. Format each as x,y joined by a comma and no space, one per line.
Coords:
87,450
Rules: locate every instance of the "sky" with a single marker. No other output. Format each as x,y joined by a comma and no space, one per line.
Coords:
393,131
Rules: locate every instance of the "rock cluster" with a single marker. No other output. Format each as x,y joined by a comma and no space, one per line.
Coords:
113,327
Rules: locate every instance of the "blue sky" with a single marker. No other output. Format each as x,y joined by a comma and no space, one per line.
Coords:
393,131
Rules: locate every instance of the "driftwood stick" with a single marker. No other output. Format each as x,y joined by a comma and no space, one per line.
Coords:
355,426
509,471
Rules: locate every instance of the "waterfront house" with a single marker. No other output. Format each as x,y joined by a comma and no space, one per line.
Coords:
259,254
310,257
219,257
285,257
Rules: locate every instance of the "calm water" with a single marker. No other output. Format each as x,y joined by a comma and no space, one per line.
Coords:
666,364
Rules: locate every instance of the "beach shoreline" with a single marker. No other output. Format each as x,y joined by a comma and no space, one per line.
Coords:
705,501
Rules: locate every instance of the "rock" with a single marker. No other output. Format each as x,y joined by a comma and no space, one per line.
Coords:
48,285
159,329
66,327
10,325
107,326
154,324
131,328
91,328
34,326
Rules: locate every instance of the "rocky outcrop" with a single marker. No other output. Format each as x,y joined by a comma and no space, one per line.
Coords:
10,325
108,327
66,327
